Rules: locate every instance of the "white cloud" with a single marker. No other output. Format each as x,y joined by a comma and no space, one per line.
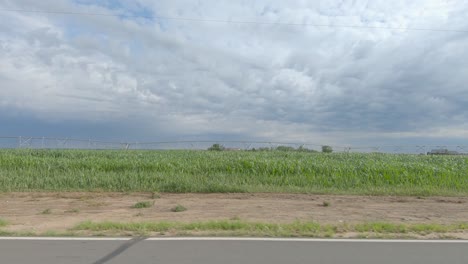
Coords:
256,81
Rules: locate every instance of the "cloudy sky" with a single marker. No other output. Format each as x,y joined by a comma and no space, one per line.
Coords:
132,73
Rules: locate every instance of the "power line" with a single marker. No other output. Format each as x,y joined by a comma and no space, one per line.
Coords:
231,21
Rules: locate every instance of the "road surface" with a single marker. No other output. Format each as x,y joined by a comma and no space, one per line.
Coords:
213,251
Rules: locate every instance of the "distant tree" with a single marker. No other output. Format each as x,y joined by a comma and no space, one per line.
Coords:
264,149
304,149
327,149
285,148
216,147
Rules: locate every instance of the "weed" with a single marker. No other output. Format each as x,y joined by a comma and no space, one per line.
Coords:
178,208
52,233
325,204
73,211
144,204
92,203
17,233
46,211
381,227
3,223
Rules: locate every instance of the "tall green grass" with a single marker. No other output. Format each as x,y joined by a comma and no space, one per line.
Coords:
242,171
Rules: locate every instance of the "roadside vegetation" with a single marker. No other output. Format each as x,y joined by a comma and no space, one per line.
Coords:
183,171
295,229
3,223
242,228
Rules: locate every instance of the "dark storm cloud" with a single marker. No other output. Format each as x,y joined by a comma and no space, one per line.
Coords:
254,81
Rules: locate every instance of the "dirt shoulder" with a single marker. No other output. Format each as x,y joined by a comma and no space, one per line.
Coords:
43,212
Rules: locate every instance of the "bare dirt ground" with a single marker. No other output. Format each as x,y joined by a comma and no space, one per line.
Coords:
41,212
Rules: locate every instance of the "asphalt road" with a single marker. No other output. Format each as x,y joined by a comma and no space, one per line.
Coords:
208,251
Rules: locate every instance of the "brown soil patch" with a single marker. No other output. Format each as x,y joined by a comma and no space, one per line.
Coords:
24,210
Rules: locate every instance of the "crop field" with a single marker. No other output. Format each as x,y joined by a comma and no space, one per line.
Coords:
182,171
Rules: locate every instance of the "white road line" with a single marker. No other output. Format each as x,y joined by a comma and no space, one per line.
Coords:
301,240
233,239
68,238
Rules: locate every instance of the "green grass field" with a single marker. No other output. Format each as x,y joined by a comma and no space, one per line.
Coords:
235,171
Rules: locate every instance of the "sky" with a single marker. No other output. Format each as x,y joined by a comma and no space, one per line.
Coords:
133,74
